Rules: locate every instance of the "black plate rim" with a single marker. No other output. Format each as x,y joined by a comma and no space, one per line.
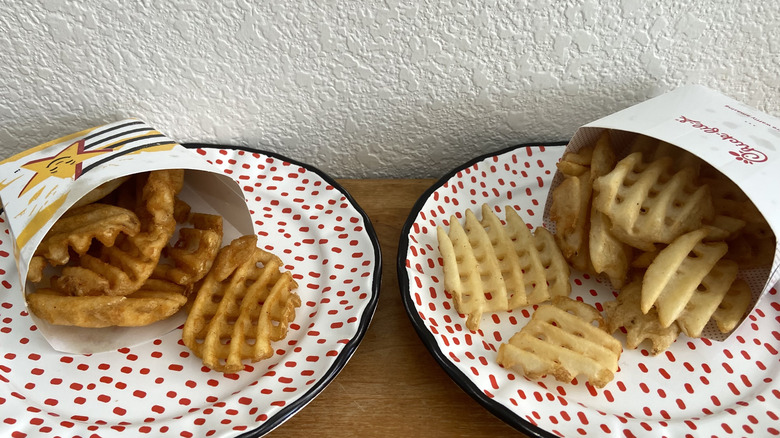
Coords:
350,347
497,409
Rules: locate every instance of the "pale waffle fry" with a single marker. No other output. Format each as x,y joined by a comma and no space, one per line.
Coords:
625,312
733,307
193,253
570,210
676,272
608,255
572,213
240,307
140,308
653,149
650,202
707,297
122,268
491,267
561,341
75,231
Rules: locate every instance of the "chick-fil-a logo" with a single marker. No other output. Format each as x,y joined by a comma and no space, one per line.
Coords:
744,152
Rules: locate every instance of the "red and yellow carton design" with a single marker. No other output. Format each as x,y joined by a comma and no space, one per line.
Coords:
40,184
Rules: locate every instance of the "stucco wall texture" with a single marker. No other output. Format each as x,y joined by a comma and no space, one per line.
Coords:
370,89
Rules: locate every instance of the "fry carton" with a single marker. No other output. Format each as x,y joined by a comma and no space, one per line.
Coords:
738,141
39,185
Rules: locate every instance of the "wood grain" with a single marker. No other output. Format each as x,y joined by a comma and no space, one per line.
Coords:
392,386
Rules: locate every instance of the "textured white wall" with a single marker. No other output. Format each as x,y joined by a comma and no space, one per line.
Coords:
369,89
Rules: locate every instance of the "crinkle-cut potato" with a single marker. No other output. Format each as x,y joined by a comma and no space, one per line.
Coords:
660,214
677,272
127,273
651,202
490,267
733,307
193,253
707,297
624,312
140,308
75,231
608,254
122,268
244,303
561,341
583,234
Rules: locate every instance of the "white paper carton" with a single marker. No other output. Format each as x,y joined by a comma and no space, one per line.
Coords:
39,185
739,141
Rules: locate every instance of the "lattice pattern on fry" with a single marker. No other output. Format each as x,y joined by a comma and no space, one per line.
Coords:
650,202
733,307
707,297
625,312
123,267
76,230
490,266
243,304
193,253
584,234
677,272
561,341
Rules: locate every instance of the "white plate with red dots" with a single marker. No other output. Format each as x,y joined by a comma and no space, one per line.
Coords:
696,388
159,388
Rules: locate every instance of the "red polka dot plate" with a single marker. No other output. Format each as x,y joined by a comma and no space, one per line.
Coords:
696,388
159,387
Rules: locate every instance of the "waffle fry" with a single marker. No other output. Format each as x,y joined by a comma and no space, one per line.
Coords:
140,308
581,232
733,306
676,272
193,253
561,341
625,312
570,210
707,297
122,268
664,215
650,202
240,307
608,254
490,267
75,231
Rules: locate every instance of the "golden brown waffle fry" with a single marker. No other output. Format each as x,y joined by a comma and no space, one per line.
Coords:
676,272
625,312
491,267
78,226
137,309
122,268
243,304
194,251
561,341
650,203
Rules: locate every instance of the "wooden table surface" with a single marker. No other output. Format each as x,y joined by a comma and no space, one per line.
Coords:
392,386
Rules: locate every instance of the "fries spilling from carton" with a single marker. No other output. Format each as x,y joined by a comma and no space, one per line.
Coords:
674,234
115,254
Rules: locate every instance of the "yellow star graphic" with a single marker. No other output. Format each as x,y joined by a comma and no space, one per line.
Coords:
66,164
